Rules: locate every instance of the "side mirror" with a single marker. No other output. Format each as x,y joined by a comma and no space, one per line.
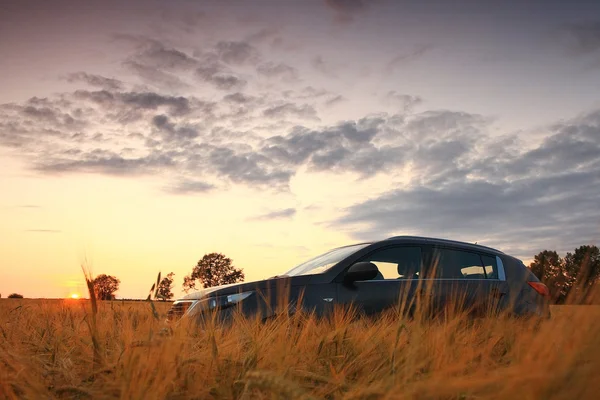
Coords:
361,271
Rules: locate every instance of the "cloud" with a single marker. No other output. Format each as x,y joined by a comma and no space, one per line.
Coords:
134,133
249,168
544,195
280,70
106,162
263,35
285,110
155,77
279,214
188,186
237,53
218,76
165,67
95,80
335,100
407,57
308,92
405,102
170,131
323,67
581,38
346,10
178,105
160,56
240,98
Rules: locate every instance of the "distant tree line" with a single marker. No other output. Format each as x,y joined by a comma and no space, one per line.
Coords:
105,287
569,278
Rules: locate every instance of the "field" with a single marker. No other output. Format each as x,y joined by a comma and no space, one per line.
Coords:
54,349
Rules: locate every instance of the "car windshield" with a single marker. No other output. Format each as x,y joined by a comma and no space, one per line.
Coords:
322,263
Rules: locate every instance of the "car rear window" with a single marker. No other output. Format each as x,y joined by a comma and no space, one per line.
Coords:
457,264
461,264
491,267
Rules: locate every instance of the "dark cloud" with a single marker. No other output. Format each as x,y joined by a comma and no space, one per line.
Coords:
106,162
285,110
227,82
530,211
179,105
160,56
239,98
264,35
95,80
179,130
279,214
582,38
408,57
346,147
218,76
308,92
170,131
335,100
155,77
545,194
323,67
404,102
346,10
237,53
162,66
187,186
280,71
43,113
249,168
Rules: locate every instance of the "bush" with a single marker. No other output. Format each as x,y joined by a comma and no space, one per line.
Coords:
15,296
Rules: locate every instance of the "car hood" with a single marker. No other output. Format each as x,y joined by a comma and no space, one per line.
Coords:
202,293
247,286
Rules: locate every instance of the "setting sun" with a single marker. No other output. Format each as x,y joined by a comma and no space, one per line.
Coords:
75,296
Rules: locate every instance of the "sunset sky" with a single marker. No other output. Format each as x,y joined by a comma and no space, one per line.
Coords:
136,136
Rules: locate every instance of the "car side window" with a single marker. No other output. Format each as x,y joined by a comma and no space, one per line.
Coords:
399,262
456,264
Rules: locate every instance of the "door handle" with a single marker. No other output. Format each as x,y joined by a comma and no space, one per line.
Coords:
497,293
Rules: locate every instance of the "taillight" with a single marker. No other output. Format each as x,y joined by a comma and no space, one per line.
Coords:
540,288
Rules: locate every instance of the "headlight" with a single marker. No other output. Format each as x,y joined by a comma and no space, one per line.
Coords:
220,302
192,307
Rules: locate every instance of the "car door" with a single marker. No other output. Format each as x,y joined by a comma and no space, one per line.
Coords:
399,268
464,280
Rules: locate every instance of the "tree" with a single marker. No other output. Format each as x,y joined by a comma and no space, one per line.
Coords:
105,286
572,276
582,269
15,296
165,288
213,269
548,266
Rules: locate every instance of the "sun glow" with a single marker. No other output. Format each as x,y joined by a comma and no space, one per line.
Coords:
75,296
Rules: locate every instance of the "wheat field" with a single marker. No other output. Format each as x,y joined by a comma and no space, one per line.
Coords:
55,349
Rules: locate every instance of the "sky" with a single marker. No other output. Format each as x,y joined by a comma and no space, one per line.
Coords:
137,136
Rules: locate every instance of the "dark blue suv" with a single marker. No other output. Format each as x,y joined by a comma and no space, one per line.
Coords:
403,272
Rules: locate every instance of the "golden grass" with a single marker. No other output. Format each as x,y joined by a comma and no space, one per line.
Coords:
47,351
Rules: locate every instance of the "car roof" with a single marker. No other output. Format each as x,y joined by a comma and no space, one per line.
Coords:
439,241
